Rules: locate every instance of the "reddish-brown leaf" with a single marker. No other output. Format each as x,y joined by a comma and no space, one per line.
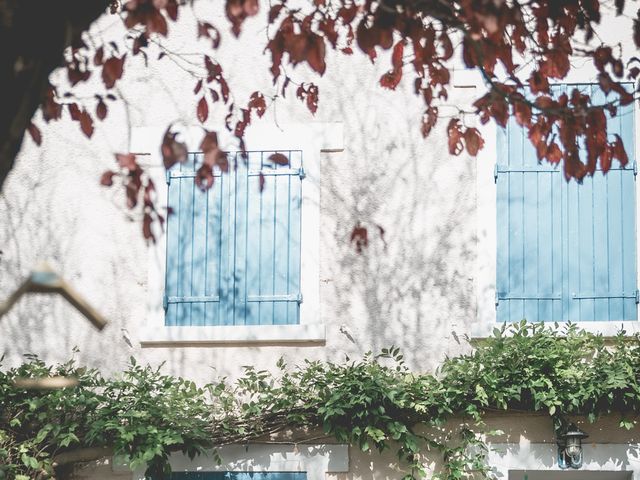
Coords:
99,56
51,109
447,46
274,12
359,236
522,112
202,110
618,151
396,56
224,89
74,111
602,56
86,123
429,119
204,177
538,83
156,23
257,102
499,111
172,151
553,153
473,140
209,141
35,133
315,53
391,79
347,14
172,9
605,159
455,137
127,160
112,70
101,110
278,158
107,178
146,227
139,42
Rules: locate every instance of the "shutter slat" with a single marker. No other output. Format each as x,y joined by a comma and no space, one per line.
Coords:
173,252
274,228
199,255
502,233
516,221
241,256
216,211
295,235
628,195
281,246
227,248
556,246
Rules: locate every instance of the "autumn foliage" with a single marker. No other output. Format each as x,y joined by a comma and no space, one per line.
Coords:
520,50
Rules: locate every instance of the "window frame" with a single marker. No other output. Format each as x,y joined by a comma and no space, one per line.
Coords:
486,230
224,243
311,139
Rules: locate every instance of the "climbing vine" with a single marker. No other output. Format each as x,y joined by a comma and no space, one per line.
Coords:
375,403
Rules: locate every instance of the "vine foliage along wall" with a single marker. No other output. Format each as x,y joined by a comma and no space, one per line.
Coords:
374,403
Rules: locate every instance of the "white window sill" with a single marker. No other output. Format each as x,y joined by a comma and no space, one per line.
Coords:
606,329
163,336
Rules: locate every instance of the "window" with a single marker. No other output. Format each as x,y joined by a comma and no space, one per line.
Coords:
238,476
233,251
565,252
253,462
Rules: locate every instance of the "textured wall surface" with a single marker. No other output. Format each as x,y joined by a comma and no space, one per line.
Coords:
410,289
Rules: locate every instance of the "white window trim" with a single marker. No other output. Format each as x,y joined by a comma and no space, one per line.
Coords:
543,457
485,269
311,138
315,460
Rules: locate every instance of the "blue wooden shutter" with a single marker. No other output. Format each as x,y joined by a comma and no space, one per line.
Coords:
238,476
564,251
233,253
271,230
197,242
529,234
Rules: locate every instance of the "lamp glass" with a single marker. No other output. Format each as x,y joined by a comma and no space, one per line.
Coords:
573,447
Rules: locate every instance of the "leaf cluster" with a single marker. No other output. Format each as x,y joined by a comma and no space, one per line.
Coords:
375,403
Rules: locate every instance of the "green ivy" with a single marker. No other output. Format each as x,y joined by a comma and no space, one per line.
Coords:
375,403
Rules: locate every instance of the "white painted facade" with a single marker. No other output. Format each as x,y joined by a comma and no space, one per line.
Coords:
423,287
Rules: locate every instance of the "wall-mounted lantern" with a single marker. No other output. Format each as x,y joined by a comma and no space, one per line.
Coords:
570,447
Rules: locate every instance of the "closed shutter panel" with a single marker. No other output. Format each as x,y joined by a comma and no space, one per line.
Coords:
196,247
565,251
529,235
273,231
601,242
233,252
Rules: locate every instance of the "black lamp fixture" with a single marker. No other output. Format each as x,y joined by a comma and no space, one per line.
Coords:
570,447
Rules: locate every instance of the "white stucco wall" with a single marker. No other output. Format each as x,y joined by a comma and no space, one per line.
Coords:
410,290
